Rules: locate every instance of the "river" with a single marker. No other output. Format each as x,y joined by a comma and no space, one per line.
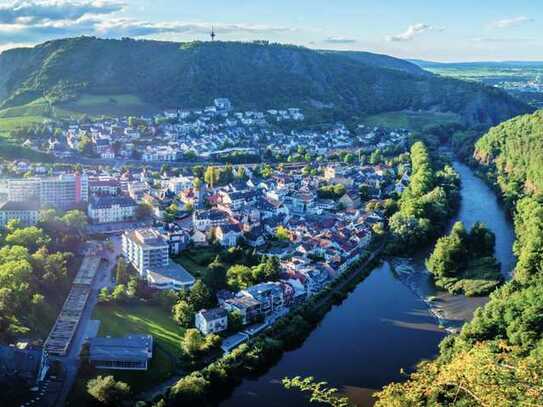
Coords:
386,324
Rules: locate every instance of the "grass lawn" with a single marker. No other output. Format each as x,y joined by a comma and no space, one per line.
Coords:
120,320
110,105
410,120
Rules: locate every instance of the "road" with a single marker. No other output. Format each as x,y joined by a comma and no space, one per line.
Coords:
103,279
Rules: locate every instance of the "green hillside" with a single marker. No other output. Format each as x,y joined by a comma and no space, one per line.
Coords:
514,150
98,76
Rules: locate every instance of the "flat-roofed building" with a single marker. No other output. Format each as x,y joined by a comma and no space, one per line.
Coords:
148,251
145,248
62,192
26,212
132,352
171,277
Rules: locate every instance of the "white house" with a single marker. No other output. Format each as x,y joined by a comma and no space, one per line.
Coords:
211,321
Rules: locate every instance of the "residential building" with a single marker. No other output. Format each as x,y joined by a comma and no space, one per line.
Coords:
145,249
247,306
211,321
63,192
110,209
148,251
269,295
26,212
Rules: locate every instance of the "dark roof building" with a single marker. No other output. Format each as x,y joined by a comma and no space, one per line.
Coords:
131,352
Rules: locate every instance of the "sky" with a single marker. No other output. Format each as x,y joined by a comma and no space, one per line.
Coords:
436,30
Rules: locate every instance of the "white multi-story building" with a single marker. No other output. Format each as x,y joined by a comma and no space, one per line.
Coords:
211,321
145,249
27,213
63,192
148,252
111,209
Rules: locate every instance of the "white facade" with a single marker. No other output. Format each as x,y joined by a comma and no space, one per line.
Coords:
211,321
144,249
111,210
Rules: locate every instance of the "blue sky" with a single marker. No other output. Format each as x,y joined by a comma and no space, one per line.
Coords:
437,30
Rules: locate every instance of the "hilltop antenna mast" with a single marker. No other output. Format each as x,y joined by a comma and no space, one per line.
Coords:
213,35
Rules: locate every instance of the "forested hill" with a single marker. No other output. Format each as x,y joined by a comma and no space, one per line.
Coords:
514,150
253,75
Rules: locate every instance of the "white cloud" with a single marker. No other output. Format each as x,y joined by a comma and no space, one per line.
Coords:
36,11
137,28
33,21
340,40
412,31
511,22
501,40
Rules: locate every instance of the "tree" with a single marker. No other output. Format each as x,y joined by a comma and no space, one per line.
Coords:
215,275
450,253
86,146
192,343
104,295
239,277
348,159
121,271
282,233
266,171
119,293
108,391
30,237
183,313
190,390
235,321
75,221
211,176
200,296
272,268
481,241
319,392
144,211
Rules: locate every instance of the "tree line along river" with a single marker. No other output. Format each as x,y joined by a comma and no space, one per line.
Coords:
386,324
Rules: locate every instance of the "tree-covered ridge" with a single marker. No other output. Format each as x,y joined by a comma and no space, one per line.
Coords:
513,152
253,75
425,205
497,357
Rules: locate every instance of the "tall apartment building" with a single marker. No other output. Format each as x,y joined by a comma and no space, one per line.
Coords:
148,251
145,249
63,192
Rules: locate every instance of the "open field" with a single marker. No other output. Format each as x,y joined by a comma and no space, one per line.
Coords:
119,320
410,120
109,105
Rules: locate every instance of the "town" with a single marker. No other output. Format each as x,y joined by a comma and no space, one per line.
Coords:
214,133
254,240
